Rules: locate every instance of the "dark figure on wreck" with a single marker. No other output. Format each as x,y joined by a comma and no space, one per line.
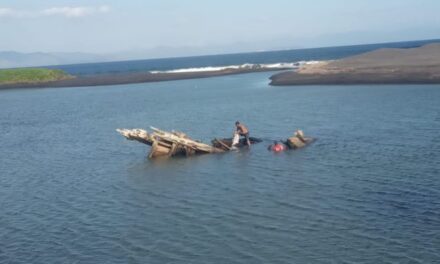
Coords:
242,130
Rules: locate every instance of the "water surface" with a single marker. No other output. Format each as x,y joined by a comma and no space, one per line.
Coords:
74,191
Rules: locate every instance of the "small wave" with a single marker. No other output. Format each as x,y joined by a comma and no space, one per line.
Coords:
245,66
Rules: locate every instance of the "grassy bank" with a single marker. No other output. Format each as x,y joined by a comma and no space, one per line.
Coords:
31,75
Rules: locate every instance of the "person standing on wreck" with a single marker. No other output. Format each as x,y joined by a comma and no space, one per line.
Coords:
243,131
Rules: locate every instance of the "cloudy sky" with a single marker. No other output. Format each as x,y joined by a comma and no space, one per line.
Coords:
109,26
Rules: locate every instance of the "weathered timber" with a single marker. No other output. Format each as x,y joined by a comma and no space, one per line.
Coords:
298,140
226,143
222,144
137,134
175,137
169,144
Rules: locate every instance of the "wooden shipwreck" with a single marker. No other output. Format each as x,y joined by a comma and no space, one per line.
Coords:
298,140
169,144
226,143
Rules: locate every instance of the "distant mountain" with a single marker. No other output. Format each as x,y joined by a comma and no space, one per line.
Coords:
187,51
12,59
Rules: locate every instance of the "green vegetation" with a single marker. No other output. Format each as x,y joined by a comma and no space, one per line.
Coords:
31,75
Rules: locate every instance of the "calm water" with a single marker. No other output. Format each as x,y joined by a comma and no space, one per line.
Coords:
74,191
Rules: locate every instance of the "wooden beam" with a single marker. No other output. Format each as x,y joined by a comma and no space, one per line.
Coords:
223,144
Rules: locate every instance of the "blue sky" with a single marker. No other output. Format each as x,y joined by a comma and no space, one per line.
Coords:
108,26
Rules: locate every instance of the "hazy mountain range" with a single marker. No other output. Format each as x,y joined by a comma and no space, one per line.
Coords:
13,59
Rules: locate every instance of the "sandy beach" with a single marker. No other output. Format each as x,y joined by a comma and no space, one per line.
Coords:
384,66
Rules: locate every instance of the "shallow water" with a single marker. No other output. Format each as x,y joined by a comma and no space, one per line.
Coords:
74,191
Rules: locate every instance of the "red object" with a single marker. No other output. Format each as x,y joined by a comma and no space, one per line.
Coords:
278,148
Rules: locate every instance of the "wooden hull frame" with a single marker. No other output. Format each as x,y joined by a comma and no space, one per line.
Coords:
170,144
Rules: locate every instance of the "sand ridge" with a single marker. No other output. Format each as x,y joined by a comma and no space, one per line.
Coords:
382,66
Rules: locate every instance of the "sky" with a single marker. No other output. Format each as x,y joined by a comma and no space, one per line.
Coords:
183,27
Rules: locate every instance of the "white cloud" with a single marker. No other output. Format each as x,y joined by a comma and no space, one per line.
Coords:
79,11
65,11
5,11
103,9
9,12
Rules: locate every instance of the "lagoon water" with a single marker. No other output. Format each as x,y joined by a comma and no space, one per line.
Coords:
72,190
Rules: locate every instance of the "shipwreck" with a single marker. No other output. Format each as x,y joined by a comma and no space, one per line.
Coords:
174,143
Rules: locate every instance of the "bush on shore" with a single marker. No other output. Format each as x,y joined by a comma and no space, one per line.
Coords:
31,75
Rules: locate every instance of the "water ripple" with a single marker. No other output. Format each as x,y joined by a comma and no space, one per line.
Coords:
73,191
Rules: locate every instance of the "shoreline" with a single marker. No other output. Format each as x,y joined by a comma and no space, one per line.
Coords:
419,65
138,77
384,66
342,78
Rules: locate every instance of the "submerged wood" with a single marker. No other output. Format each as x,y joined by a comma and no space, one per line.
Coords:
226,143
298,140
169,144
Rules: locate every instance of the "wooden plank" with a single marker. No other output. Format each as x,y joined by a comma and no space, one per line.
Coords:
153,149
139,135
223,144
173,150
162,142
184,141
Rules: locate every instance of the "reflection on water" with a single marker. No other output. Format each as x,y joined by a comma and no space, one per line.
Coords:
73,190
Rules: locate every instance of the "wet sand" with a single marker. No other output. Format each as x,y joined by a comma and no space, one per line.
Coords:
384,66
